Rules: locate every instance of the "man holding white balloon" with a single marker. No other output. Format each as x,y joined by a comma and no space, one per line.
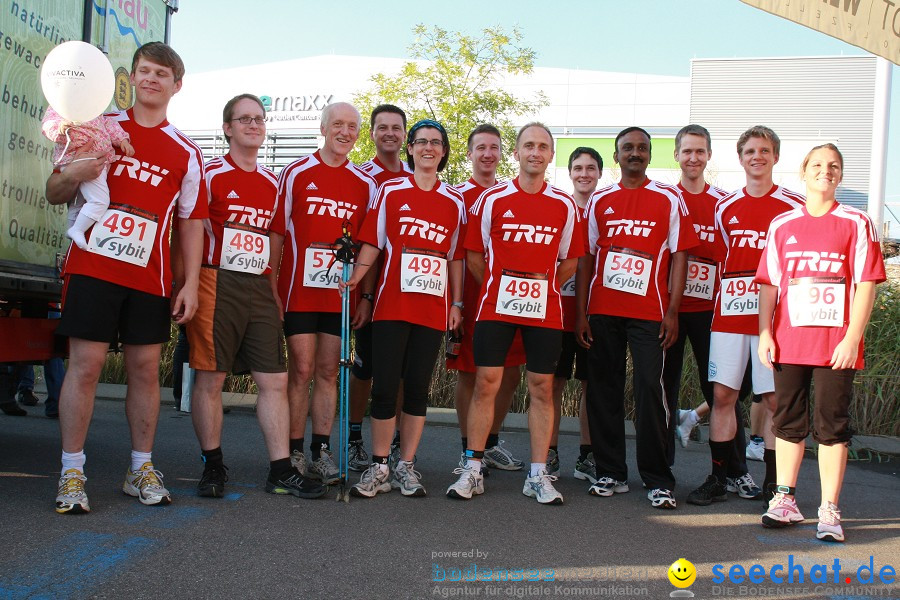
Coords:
118,288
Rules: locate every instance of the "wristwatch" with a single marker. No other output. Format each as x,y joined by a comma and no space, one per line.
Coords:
369,297
458,305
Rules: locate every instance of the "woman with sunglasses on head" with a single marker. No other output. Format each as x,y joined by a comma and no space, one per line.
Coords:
418,223
817,281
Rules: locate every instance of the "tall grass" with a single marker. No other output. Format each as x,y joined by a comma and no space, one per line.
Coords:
875,407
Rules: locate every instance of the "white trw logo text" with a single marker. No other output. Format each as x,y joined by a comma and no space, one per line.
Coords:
247,215
706,233
142,171
333,208
533,234
748,237
629,227
821,262
424,229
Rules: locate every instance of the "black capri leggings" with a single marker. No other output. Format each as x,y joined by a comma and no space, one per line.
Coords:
391,342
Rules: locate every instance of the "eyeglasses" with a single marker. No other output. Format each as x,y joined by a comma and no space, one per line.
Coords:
248,120
422,142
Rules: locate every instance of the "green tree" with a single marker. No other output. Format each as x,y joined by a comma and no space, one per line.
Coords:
455,82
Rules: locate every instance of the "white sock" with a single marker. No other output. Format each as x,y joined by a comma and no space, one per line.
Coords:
474,463
73,460
536,468
694,417
138,459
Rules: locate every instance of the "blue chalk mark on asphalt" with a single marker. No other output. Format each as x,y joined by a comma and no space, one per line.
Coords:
231,496
169,517
78,564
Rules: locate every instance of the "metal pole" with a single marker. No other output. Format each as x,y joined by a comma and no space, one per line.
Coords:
881,116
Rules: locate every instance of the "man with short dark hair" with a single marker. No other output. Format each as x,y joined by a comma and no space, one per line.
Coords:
638,231
119,292
523,239
238,326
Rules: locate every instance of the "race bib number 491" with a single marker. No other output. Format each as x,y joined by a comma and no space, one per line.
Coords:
628,271
245,249
816,301
124,233
740,294
423,271
523,295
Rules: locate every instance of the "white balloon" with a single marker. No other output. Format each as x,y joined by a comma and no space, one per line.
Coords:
77,81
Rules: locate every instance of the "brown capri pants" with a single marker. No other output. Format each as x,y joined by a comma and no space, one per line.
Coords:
831,414
237,327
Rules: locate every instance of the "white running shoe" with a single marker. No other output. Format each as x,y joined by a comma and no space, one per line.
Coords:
541,488
499,457
406,479
374,481
685,426
70,496
470,483
756,450
146,485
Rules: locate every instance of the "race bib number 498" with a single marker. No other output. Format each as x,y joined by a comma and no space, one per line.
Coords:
740,294
523,295
628,271
124,233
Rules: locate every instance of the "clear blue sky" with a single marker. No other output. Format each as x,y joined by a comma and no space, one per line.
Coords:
643,36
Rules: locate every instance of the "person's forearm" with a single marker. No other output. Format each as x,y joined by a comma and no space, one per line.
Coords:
456,280
276,244
60,188
677,281
190,240
768,296
476,265
860,310
583,282
566,269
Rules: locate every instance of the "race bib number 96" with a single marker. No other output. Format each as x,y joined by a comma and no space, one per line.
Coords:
701,273
423,271
816,301
740,295
124,233
523,295
245,249
628,271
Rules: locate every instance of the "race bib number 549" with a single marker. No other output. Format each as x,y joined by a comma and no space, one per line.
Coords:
627,271
124,233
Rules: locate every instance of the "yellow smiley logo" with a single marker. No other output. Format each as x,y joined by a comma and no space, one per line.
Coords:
682,573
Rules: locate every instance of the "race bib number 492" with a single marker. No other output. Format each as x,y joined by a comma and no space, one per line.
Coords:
245,249
124,233
628,271
740,294
523,295
423,271
816,301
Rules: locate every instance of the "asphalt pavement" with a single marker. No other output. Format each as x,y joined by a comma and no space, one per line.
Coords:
255,545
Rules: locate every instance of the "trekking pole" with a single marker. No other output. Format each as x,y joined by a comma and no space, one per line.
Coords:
345,253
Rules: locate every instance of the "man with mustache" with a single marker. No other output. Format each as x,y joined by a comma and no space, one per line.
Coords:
637,230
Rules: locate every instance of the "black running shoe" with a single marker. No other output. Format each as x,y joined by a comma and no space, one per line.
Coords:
711,491
212,482
27,398
297,485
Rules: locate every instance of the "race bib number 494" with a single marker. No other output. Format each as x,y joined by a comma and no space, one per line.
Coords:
423,271
124,233
523,295
816,301
740,294
701,274
628,271
245,249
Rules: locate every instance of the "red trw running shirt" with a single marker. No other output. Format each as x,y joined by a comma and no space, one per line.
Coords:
816,263
632,234
314,200
465,362
379,172
241,204
523,236
742,222
567,289
703,267
129,245
418,232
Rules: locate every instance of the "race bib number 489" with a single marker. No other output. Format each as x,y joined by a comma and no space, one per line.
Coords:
423,271
740,295
245,249
628,271
523,295
124,233
816,301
